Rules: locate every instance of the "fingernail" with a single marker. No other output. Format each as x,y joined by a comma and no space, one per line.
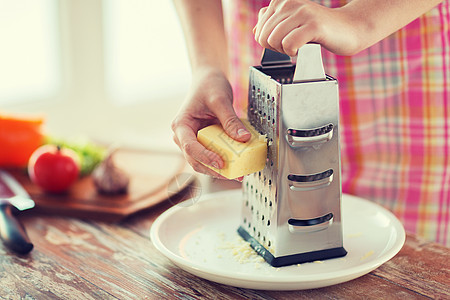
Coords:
241,132
215,165
239,179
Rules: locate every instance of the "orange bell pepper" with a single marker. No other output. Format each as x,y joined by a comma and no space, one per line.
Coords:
19,137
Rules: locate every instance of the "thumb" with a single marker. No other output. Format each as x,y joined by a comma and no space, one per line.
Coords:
230,122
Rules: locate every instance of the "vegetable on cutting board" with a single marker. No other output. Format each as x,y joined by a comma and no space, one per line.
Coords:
97,161
20,135
54,163
53,168
90,154
110,179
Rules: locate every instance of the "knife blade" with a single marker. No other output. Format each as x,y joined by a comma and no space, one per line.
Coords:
13,198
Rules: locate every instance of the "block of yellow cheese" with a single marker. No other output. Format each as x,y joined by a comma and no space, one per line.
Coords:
239,158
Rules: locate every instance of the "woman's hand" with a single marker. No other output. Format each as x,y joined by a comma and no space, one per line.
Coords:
210,101
286,25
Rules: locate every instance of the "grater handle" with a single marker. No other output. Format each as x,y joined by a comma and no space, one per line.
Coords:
273,58
309,65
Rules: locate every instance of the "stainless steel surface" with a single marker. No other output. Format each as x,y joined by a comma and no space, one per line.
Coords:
12,192
293,205
272,58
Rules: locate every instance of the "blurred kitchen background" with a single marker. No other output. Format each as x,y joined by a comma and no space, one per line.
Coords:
115,71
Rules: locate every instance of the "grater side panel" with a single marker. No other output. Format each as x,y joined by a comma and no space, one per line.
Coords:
259,209
308,106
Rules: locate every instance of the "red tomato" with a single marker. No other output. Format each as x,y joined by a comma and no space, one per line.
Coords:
54,169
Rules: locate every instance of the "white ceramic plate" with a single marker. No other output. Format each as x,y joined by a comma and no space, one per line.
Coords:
200,237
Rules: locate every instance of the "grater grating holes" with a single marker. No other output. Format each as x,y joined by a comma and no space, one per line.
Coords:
260,190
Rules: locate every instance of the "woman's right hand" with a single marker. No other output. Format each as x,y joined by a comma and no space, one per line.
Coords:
209,101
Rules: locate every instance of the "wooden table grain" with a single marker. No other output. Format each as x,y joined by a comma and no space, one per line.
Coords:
83,259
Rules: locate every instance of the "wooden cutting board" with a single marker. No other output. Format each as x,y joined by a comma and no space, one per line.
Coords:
154,177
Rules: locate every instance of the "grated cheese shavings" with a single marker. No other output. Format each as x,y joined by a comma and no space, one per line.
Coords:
367,255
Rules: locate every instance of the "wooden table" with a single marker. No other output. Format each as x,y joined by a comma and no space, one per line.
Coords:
82,259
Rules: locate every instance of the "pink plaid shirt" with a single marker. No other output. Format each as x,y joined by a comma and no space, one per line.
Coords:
395,114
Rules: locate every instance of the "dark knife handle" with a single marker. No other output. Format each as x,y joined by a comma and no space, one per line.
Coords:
12,232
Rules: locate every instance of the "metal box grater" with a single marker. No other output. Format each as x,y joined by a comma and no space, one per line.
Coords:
291,211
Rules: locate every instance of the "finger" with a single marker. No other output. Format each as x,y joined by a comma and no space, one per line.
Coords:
239,179
201,168
260,13
280,31
263,15
198,166
296,39
269,27
176,140
230,121
194,150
